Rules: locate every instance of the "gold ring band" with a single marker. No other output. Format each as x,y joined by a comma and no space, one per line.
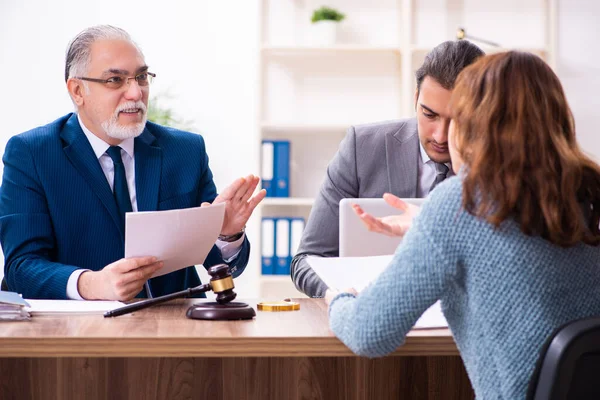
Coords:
278,306
221,285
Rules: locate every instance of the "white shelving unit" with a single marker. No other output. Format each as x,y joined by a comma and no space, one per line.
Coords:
311,94
318,50
289,201
301,129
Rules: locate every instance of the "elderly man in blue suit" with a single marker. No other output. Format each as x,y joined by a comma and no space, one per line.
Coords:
67,185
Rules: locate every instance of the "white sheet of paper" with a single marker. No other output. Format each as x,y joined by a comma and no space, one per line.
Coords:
179,238
55,307
340,273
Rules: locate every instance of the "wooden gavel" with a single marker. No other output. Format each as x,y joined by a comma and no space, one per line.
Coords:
221,283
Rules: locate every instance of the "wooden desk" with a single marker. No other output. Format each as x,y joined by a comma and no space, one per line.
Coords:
157,353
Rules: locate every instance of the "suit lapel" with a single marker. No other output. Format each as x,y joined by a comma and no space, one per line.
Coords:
148,164
402,153
81,155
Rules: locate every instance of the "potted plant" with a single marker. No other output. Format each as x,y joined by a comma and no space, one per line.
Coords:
165,116
324,25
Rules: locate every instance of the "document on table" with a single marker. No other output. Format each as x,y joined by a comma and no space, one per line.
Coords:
71,307
13,307
340,273
179,238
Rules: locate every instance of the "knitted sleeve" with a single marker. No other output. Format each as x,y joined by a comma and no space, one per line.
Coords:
376,322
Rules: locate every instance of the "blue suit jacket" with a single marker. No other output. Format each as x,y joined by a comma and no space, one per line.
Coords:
58,213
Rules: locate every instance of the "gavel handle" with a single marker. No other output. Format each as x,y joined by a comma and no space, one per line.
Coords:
157,300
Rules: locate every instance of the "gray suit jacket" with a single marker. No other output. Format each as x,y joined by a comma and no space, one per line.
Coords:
372,159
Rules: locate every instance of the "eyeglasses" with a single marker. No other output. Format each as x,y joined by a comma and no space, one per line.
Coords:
118,81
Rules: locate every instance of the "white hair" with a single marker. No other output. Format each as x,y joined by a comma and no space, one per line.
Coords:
78,52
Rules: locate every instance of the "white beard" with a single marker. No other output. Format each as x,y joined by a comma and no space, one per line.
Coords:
122,132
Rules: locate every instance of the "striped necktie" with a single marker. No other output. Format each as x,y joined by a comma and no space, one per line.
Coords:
441,172
121,193
120,190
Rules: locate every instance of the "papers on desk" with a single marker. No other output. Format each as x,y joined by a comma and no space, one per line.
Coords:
433,317
179,238
71,307
340,273
13,307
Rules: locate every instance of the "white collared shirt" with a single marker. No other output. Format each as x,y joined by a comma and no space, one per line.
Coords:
229,250
427,172
100,146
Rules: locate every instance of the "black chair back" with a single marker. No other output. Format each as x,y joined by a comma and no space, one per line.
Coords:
569,364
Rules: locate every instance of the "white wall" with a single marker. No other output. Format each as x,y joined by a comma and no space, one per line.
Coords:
204,52
578,66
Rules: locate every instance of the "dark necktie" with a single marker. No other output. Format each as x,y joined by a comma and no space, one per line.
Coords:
120,190
441,172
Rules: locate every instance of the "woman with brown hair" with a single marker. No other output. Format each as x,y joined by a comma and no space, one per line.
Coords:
509,245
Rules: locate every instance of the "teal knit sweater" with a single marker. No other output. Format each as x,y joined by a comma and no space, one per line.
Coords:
502,292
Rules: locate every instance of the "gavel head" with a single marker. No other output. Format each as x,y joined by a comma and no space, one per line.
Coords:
222,283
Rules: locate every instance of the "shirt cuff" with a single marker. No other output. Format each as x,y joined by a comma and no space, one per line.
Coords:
230,250
72,292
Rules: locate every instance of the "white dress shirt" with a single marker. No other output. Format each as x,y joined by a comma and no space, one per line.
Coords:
229,250
427,172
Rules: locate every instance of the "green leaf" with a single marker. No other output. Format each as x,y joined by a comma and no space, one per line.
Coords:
165,116
327,14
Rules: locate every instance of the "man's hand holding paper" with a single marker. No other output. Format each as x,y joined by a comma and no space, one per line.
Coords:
121,280
179,238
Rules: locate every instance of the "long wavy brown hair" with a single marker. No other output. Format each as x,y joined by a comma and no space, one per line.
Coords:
516,135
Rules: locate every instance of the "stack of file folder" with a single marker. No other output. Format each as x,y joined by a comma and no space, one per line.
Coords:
275,174
13,307
280,238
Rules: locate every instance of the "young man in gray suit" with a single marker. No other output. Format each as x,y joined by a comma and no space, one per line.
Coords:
406,157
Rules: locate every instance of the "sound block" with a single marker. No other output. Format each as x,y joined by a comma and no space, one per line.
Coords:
220,312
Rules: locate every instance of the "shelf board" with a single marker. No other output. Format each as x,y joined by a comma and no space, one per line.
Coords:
488,49
301,129
287,201
319,50
276,279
